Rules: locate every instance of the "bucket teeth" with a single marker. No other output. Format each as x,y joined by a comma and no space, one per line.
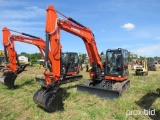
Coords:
8,79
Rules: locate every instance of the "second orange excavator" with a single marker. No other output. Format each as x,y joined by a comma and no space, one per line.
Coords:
13,68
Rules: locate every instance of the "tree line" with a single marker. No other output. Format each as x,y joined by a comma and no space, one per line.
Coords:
132,57
35,56
31,57
83,56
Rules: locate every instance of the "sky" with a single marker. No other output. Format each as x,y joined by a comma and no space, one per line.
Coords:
130,24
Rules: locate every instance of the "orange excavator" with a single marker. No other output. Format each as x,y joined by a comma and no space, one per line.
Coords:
109,79
13,68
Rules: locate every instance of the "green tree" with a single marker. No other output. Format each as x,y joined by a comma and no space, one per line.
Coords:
82,57
102,56
141,57
23,54
31,57
132,56
34,57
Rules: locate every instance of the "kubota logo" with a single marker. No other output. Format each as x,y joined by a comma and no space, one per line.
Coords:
75,30
27,40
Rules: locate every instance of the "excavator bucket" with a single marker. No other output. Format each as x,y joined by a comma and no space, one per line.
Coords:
115,92
8,79
48,100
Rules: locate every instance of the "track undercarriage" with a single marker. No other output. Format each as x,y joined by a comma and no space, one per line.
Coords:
105,88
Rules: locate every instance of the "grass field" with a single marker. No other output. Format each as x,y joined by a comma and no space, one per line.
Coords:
18,103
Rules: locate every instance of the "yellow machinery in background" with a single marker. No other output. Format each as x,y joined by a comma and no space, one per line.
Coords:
142,68
40,63
2,59
88,67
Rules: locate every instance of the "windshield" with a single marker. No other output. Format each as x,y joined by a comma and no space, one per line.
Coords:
73,57
64,57
114,63
114,58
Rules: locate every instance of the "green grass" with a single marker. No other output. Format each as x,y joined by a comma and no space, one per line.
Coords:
18,103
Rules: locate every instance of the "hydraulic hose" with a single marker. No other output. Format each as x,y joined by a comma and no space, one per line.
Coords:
5,52
74,21
24,34
46,51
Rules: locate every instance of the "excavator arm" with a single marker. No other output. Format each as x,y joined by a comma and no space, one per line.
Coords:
12,64
53,27
86,35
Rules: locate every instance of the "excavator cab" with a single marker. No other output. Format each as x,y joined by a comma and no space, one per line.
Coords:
116,62
72,59
114,78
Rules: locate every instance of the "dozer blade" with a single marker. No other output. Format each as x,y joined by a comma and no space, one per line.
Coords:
8,79
103,92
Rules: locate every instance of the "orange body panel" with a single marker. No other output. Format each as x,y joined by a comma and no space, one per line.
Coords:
55,46
91,74
47,77
11,50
